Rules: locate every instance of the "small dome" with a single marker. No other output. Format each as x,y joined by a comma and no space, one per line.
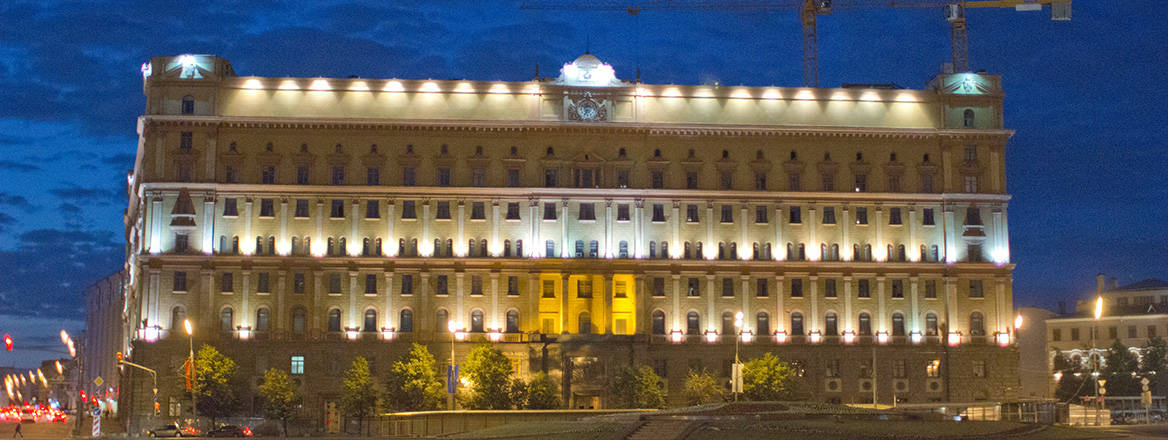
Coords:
588,60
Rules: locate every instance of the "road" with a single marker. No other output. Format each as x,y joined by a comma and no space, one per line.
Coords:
1140,432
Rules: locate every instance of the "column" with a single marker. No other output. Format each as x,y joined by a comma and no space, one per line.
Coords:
883,325
533,296
711,246
208,224
155,224
427,241
535,247
780,319
461,240
495,243
813,282
155,292
247,241
607,292
914,250
916,317
353,318
390,243
564,253
879,247
676,302
319,241
813,253
638,229
780,249
355,241
848,317
564,303
644,315
709,301
747,252
423,314
995,243
845,230
607,252
952,318
283,242
1004,236
389,313
1002,315
676,220
495,320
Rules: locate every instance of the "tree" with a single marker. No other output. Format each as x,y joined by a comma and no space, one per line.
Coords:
215,384
1119,370
413,383
1071,377
360,395
768,379
637,388
489,373
702,388
280,398
542,393
1153,363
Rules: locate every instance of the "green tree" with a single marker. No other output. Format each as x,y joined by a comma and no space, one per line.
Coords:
637,388
489,373
1153,363
768,379
1071,377
361,394
280,398
413,383
542,393
215,384
702,388
1119,369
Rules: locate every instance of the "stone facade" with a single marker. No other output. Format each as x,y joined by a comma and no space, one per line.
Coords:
332,217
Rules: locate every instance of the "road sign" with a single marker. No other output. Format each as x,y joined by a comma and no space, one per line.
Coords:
98,381
1146,398
451,379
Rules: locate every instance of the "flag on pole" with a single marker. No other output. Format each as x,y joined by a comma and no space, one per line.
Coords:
187,372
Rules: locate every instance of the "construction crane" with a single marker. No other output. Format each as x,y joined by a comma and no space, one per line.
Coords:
810,10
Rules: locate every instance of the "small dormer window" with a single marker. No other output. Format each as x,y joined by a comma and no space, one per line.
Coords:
444,149
551,151
514,150
758,155
826,157
410,149
338,148
232,148
892,157
303,148
657,153
859,157
794,156
373,149
188,105
621,153
479,150
725,154
926,158
269,147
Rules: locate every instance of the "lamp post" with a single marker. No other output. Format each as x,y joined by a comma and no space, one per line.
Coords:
452,381
1094,356
736,377
194,372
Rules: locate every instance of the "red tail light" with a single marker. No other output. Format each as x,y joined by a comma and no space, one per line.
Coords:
247,431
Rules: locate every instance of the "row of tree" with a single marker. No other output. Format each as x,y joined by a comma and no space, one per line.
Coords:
414,384
1121,368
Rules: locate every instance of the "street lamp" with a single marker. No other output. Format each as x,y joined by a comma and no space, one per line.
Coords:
452,386
737,371
1094,356
194,372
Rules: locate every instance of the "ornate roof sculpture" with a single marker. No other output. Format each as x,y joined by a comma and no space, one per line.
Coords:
588,71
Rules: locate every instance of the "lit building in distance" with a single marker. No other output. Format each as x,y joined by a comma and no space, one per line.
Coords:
300,222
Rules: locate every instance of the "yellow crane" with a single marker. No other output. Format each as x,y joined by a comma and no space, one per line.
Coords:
809,10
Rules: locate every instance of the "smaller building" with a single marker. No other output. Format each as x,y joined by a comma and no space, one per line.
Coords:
105,336
1033,356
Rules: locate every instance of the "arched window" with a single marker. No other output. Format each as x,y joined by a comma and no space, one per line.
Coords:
483,247
652,249
593,249
177,316
693,324
901,255
934,254
757,253
370,324
365,250
664,249
967,118
797,324
506,248
762,324
295,245
223,244
471,251
519,248
263,323
802,252
235,245
688,251
307,249
585,323
334,320
227,320
823,255
512,321
865,324
931,324
856,255
440,323
721,250
414,247
976,324
299,321
271,245
698,253
476,321
831,324
767,251
790,251
658,322
188,105
924,253
332,247
734,251
898,324
259,247
405,321
728,323
401,248
835,252
377,248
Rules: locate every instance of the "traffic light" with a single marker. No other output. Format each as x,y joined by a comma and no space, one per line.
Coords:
157,408
119,356
7,342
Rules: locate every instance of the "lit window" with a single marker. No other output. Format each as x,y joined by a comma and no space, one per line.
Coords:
297,365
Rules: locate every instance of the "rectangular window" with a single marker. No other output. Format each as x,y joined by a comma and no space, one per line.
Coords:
297,367
1132,332
970,184
622,178
796,215
549,178
793,182
933,368
828,215
726,180
898,288
927,183
478,177
861,215
658,213
513,211
441,287
409,210
478,211
1151,331
443,212
230,174
298,282
372,209
476,285
622,212
301,175
1056,334
727,214
760,214
180,282
1112,333
927,217
691,213
930,289
334,283
693,287
829,290
227,282
301,208
229,208
409,176
760,181
797,288
338,209
512,286
587,211
549,211
971,153
727,286
549,289
894,216
761,288
657,179
370,284
828,182
181,243
861,183
513,178
864,289
583,288
185,141
1075,334
833,368
268,175
444,177
338,175
658,287
407,284
372,176
691,180
975,289
263,283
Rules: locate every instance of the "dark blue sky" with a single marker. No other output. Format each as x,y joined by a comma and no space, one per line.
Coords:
1086,167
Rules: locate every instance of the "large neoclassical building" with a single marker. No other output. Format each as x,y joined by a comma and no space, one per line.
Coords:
300,222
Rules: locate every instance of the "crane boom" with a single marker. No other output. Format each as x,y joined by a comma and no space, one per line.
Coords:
809,10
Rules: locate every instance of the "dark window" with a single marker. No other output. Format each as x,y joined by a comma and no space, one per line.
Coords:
263,283
864,289
898,324
298,283
513,211
443,211
409,176
691,180
693,287
831,324
930,289
268,175
444,177
760,214
370,284
549,178
658,213
408,210
513,178
372,209
762,324
796,215
658,322
727,214
894,216
406,321
865,325
478,177
975,289
927,217
334,320
622,212
829,288
726,180
441,286
587,211
967,120
727,286
691,213
302,175
334,283
512,286
828,215
370,322
267,208
338,175
898,288
762,288
657,179
229,208
797,324
185,141
549,211
693,324
659,287
227,320
407,284
512,321
478,211
180,282
338,209
188,105
797,288
226,282
861,215
372,176
760,181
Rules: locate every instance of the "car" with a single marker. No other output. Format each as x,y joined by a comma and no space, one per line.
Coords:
230,431
171,430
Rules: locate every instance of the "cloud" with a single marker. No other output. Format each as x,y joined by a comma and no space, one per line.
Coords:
16,202
47,272
77,193
12,165
122,159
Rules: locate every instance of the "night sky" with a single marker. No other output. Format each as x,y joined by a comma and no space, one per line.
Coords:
1086,167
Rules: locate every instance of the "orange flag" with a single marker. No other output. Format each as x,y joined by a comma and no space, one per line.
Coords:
187,372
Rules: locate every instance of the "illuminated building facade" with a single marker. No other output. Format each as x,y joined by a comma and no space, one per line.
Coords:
302,221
